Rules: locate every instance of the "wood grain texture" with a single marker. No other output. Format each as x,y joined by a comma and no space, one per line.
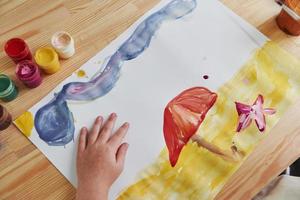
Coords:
25,173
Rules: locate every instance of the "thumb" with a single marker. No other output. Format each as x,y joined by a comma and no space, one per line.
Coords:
121,153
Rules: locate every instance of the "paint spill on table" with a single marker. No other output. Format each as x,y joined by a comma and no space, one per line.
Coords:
200,174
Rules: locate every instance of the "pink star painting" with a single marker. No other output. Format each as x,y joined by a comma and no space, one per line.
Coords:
256,112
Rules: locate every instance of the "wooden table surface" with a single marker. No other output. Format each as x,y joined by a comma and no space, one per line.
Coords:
25,173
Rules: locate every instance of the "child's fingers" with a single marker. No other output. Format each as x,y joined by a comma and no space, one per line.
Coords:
118,137
121,154
95,130
82,140
107,128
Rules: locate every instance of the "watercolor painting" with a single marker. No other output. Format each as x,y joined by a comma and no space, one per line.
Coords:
59,129
197,111
199,172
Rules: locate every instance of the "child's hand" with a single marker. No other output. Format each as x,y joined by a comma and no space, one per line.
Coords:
100,158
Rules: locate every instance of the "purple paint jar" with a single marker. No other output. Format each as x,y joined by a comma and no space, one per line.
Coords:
29,73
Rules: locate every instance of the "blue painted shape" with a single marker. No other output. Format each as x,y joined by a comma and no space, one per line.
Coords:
54,122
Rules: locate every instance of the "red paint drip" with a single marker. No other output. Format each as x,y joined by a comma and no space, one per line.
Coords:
29,73
17,50
206,77
183,116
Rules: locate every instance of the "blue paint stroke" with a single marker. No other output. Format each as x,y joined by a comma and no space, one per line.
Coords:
54,122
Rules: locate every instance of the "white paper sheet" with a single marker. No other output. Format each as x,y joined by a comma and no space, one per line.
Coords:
212,41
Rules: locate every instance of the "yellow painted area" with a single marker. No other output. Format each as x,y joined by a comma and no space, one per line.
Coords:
81,73
200,174
25,123
47,59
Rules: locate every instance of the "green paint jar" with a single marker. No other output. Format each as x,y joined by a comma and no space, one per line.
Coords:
8,90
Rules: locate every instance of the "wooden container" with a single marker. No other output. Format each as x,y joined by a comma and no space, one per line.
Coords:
5,118
289,20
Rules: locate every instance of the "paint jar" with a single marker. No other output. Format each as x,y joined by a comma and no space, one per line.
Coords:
29,73
63,43
8,90
5,118
17,50
289,20
47,59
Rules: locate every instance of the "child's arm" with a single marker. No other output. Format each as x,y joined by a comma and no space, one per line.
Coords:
100,158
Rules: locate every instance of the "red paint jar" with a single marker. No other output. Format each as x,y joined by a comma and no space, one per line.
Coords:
289,20
17,50
29,73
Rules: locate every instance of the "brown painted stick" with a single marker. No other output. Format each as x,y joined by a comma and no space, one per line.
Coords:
233,156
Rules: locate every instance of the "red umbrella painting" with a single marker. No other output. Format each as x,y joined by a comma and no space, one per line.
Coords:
182,118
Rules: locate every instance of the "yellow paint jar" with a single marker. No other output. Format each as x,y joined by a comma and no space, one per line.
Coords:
47,59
